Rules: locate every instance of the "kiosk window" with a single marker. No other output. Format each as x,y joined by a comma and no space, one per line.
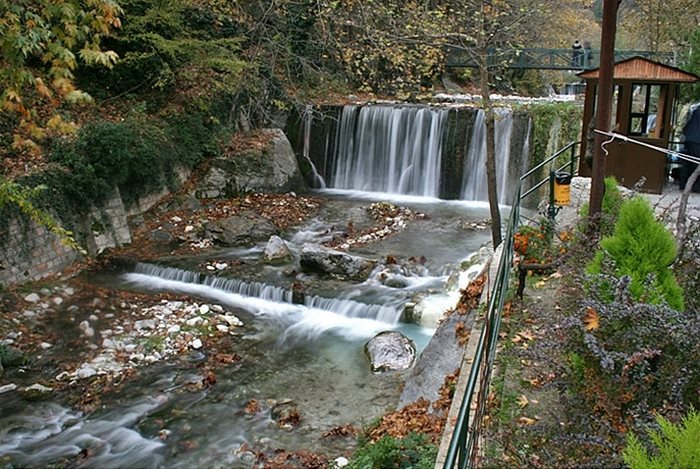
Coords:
644,109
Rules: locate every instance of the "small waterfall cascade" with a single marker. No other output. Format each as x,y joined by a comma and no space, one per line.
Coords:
308,119
346,307
474,183
389,149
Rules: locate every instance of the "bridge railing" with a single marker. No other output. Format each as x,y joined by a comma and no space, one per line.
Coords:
550,59
464,445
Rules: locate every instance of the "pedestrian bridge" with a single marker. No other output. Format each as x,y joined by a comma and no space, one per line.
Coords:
549,59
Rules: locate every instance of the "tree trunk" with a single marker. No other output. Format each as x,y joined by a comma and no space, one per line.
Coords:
604,99
490,152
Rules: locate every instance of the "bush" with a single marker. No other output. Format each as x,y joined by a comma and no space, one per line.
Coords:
627,358
676,446
610,207
415,451
642,249
133,155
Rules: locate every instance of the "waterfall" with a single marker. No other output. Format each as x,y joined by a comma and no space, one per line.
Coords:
474,183
389,149
214,286
308,119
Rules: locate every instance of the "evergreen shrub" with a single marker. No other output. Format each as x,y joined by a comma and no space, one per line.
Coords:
676,446
610,207
641,248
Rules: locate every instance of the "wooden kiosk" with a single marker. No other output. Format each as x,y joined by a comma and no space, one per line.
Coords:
644,93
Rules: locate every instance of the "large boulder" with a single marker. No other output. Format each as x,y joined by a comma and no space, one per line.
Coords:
277,252
316,258
390,351
244,229
441,357
272,169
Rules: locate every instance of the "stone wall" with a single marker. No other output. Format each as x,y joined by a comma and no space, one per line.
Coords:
30,252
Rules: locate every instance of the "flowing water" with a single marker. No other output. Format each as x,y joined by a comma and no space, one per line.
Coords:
310,352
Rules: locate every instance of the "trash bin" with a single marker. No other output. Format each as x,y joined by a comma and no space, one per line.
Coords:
562,188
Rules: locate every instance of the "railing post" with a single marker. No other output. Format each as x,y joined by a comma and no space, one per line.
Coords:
573,158
551,209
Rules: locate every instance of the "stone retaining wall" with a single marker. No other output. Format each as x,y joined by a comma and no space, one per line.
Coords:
30,252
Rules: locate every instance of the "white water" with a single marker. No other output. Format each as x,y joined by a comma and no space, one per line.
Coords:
474,183
49,432
344,318
389,149
308,117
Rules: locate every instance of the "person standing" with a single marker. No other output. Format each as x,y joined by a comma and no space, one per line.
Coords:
576,54
587,54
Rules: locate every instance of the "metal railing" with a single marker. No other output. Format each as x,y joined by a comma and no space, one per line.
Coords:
550,59
464,444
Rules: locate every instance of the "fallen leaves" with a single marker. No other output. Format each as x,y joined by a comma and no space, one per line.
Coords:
461,333
591,319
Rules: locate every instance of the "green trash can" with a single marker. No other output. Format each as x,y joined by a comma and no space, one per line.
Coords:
562,188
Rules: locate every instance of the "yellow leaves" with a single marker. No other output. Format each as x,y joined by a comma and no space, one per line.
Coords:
523,401
526,421
41,88
522,337
591,319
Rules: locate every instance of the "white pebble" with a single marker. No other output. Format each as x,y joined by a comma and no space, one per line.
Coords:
45,345
204,309
174,329
222,328
86,372
196,344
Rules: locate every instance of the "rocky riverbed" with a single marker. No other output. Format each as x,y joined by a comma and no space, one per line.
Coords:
79,343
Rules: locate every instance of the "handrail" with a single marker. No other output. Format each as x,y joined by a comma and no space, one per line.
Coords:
572,168
464,441
551,59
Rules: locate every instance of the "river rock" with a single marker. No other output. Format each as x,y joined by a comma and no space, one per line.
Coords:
36,392
241,230
316,258
272,169
32,298
390,351
8,388
13,357
277,252
85,372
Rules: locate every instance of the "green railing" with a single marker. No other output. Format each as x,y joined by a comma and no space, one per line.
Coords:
463,448
549,59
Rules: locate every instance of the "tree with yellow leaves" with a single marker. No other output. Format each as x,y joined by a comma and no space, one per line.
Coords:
41,42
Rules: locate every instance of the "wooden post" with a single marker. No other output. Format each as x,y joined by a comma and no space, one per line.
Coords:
604,98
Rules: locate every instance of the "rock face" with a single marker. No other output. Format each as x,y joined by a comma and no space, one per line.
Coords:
440,358
316,258
274,169
277,252
390,351
240,230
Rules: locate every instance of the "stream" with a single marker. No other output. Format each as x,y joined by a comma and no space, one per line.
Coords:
308,355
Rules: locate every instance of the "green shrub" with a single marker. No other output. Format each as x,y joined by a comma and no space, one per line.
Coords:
610,207
415,451
627,357
676,446
133,155
642,249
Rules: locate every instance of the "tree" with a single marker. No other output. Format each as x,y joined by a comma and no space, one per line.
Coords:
659,25
41,42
